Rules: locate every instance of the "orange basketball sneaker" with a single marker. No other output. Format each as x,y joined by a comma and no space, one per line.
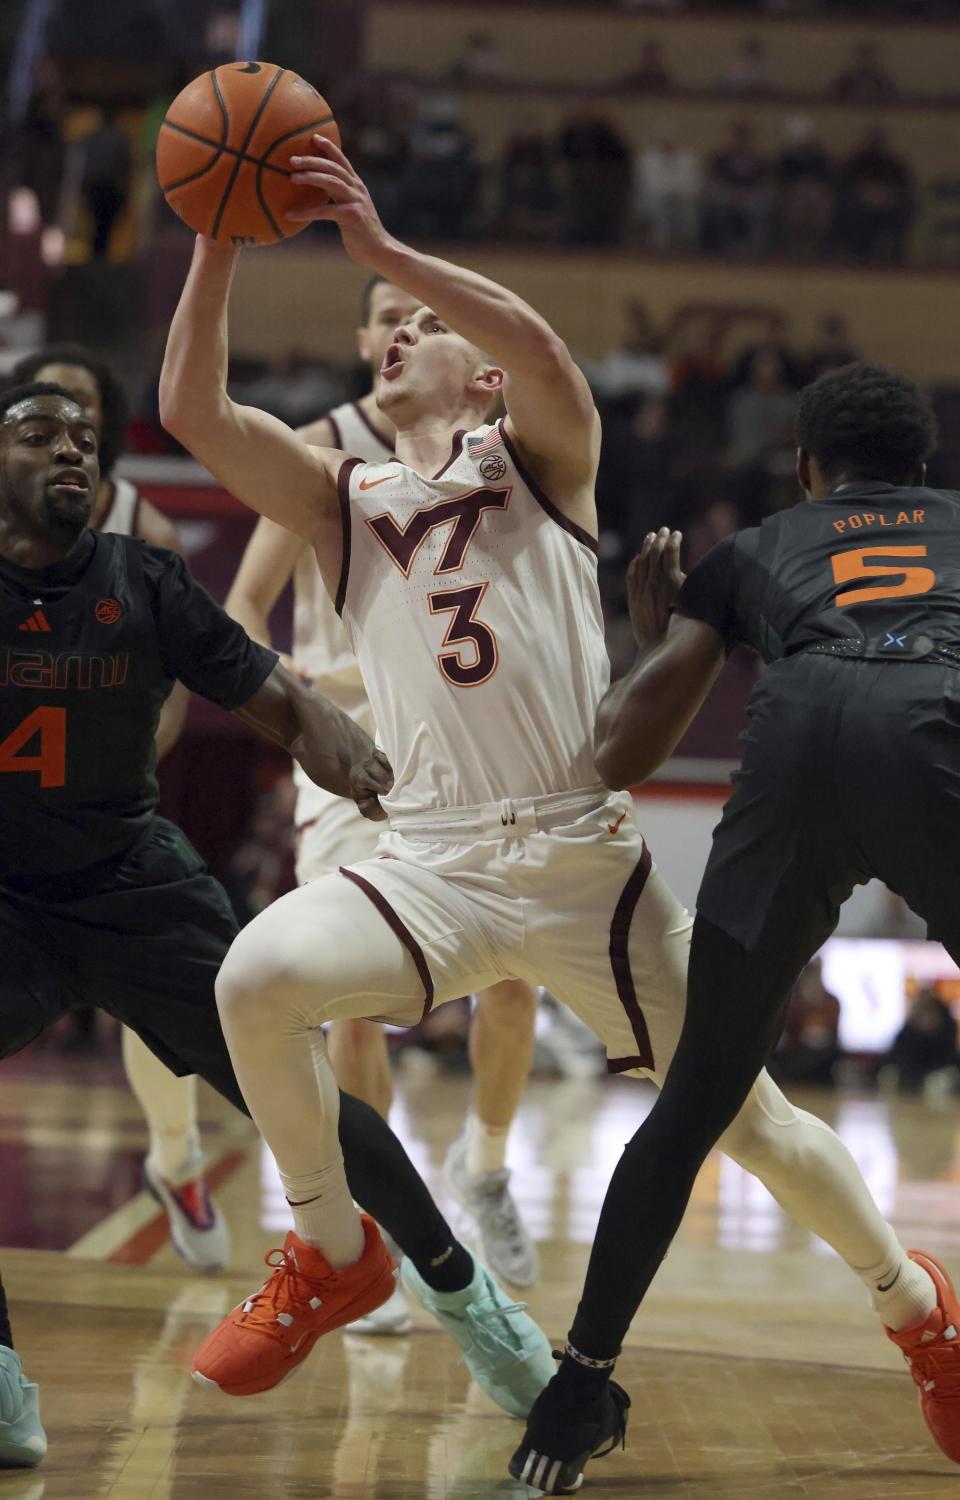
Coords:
932,1350
271,1333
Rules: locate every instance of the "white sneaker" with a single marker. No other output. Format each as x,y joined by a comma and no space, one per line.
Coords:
198,1230
386,1321
507,1247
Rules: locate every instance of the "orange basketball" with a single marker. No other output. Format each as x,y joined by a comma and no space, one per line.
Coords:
223,156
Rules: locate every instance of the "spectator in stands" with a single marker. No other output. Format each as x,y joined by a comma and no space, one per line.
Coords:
380,134
924,1052
649,73
805,196
698,378
440,190
481,60
832,347
668,181
637,366
105,179
38,149
760,414
876,203
749,75
646,483
737,196
866,80
596,190
529,194
773,336
809,1048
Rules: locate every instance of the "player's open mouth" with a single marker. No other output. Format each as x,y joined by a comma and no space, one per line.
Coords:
392,361
72,484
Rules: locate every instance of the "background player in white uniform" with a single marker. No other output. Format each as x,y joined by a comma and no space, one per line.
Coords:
174,1168
473,602
331,833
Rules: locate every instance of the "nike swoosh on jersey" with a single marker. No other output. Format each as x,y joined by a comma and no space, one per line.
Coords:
612,827
368,484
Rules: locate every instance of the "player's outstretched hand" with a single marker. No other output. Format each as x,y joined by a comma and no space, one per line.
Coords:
654,580
341,196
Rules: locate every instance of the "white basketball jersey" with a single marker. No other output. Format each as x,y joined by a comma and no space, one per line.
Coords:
473,607
320,641
122,515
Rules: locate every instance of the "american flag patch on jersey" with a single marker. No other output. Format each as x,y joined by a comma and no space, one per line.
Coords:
479,445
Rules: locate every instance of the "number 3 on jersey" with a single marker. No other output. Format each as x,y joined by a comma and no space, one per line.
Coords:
857,567
464,626
50,759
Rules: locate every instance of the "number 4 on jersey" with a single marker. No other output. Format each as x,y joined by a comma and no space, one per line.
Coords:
50,759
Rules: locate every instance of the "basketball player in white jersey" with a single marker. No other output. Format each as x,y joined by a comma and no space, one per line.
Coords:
331,833
174,1168
465,571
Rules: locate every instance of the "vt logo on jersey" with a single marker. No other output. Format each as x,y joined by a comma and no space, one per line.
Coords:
466,512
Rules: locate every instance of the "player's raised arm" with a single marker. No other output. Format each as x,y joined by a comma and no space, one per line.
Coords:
551,410
642,717
268,561
255,456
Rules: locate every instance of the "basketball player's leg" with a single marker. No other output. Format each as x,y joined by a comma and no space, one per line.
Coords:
322,953
735,1002
169,1105
31,998
501,1045
174,1166
337,835
23,1441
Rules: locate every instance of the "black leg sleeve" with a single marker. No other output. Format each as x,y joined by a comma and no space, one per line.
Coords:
6,1337
735,1002
387,1185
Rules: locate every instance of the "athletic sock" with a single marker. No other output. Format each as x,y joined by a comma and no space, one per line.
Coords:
901,1292
579,1383
451,1270
324,1214
6,1337
486,1146
176,1156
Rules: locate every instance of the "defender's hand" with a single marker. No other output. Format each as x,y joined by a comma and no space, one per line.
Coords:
654,580
350,205
339,756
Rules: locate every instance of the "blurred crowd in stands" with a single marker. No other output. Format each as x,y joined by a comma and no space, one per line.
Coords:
585,183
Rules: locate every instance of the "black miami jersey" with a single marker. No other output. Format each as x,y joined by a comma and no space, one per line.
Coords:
89,649
873,561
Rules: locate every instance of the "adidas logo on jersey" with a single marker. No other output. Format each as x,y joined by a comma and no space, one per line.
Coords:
37,621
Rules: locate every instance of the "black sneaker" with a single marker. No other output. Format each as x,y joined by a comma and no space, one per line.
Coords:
559,1440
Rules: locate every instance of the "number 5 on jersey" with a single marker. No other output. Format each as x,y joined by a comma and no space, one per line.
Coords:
50,757
856,567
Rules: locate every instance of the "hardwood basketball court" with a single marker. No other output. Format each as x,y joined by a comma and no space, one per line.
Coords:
756,1368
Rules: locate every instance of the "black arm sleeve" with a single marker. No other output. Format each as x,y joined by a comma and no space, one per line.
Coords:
199,643
709,592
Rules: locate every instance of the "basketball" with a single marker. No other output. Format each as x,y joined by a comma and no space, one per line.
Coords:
223,154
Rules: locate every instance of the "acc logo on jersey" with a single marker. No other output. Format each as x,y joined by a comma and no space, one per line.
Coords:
108,611
492,467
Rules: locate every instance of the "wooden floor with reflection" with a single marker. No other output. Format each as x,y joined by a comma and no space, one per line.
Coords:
757,1370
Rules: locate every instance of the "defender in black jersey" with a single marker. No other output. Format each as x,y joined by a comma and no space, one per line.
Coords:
851,769
100,899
